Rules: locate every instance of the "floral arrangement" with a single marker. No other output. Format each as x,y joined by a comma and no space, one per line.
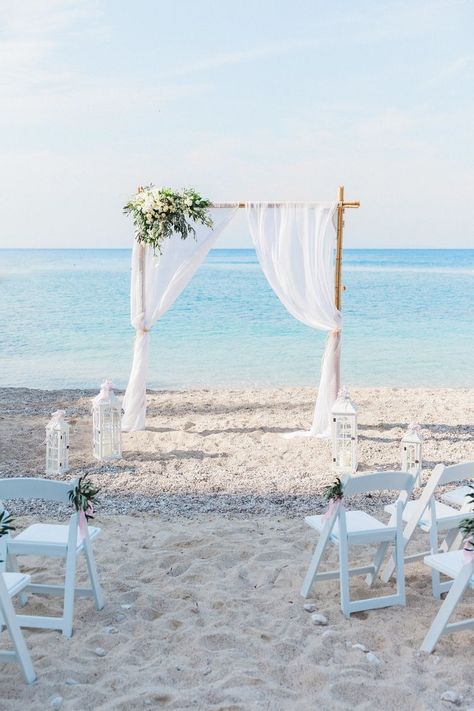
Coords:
83,497
6,521
159,213
334,492
467,529
332,495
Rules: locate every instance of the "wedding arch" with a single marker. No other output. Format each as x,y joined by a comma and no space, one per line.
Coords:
299,248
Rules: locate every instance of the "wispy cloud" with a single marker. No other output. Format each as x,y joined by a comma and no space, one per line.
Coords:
455,68
225,59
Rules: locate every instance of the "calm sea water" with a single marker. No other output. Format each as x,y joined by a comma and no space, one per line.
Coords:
64,322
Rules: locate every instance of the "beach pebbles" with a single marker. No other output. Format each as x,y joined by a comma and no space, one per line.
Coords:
318,619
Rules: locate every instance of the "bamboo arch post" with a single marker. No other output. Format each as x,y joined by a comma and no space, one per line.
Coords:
341,206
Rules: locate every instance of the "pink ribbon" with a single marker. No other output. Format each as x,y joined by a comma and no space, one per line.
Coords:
332,505
83,520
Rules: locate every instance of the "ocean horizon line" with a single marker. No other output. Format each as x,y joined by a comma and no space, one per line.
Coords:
235,249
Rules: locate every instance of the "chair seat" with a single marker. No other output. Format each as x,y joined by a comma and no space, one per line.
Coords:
359,524
443,513
449,564
15,582
46,534
457,497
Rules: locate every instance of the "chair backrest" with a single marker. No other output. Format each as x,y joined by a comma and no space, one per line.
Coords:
378,481
32,488
455,472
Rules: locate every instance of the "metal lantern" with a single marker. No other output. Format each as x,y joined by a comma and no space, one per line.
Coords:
411,451
106,424
344,434
57,444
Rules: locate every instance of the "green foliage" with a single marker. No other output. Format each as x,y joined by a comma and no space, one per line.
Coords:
467,524
83,496
334,491
159,213
6,521
467,527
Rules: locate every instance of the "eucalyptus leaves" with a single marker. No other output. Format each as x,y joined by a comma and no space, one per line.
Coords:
467,529
159,213
83,497
334,492
6,521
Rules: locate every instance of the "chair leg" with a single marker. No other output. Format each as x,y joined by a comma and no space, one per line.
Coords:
94,578
12,564
344,576
69,590
21,650
435,576
389,569
441,620
453,541
315,562
400,558
377,562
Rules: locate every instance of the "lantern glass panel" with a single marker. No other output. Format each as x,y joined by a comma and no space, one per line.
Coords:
411,457
107,434
343,442
57,454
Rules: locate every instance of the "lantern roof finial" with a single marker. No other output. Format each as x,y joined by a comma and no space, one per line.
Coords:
57,419
344,404
106,395
413,433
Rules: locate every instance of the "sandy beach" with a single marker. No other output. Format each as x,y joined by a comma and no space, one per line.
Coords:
206,614
204,549
221,451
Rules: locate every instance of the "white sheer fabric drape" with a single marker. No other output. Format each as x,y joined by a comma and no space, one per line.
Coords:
157,281
295,248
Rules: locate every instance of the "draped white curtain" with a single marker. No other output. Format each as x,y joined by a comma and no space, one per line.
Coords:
295,248
157,281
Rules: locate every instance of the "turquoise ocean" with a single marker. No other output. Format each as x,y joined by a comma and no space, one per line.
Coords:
64,322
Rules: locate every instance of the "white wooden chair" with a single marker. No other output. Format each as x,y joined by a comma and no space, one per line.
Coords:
10,585
434,517
52,540
453,565
457,497
359,528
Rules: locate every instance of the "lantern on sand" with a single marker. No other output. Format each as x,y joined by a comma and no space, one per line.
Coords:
106,424
411,451
344,434
57,444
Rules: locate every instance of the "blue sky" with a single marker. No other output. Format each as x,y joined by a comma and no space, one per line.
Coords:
243,100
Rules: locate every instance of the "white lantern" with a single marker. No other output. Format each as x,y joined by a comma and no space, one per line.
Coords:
106,424
57,444
344,434
411,451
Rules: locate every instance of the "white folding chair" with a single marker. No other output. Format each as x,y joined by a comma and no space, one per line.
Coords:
434,517
52,540
10,585
359,528
453,565
457,496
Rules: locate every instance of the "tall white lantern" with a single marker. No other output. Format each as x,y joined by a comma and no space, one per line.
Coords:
57,444
411,451
344,434
106,424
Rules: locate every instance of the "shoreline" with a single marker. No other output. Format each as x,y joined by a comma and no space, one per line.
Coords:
221,452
